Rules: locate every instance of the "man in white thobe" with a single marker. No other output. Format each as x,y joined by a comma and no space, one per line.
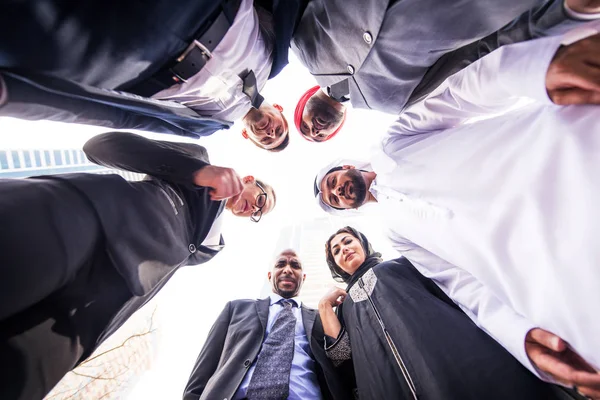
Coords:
502,212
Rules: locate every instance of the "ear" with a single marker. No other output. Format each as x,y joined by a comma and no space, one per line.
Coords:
348,167
278,107
248,179
269,275
303,277
245,133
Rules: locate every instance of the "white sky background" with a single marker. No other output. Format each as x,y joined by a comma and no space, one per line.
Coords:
191,301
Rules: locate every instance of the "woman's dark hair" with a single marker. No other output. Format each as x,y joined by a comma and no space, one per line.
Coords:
337,273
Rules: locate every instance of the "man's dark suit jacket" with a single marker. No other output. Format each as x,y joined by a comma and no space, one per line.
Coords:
235,341
63,61
155,226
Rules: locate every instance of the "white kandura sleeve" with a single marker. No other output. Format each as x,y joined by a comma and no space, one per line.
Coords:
488,86
494,317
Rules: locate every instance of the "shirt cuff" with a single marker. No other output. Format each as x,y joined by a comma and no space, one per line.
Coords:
340,350
581,32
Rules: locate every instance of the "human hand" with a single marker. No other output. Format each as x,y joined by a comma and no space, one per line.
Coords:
584,6
552,355
334,297
224,182
573,76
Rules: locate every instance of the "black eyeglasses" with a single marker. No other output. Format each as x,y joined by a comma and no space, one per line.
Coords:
260,202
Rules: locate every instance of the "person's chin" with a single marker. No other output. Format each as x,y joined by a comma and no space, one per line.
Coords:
285,292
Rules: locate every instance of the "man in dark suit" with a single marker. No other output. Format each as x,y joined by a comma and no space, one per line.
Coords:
273,345
80,253
82,61
382,49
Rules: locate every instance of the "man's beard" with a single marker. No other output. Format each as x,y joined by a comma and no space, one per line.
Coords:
319,108
359,187
285,293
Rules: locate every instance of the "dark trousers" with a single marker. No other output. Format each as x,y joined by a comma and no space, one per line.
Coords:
58,289
103,43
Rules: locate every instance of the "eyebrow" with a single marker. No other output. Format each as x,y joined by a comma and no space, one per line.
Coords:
338,243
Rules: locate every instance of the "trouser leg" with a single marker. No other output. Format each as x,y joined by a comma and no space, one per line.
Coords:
103,43
41,344
48,231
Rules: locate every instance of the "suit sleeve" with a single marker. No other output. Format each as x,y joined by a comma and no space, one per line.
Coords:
497,319
40,97
209,357
173,162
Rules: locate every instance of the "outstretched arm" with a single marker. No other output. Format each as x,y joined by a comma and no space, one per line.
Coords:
39,97
166,160
183,163
544,354
540,70
209,357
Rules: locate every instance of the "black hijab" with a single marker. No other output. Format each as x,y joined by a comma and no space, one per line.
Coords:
372,258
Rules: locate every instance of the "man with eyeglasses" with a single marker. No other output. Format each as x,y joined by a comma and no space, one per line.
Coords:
80,253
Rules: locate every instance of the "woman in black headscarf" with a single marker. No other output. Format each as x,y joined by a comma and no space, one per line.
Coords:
407,339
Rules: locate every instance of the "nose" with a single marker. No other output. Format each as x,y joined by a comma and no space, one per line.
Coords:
314,132
287,270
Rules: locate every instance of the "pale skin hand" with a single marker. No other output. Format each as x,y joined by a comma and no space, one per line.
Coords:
331,323
573,76
552,355
224,182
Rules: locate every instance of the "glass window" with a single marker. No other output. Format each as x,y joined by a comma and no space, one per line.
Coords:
74,157
27,158
15,158
67,157
38,158
3,160
58,157
47,157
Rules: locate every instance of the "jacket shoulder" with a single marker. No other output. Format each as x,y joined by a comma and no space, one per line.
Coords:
240,303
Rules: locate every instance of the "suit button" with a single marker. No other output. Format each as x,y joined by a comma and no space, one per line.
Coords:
192,248
350,69
247,363
367,38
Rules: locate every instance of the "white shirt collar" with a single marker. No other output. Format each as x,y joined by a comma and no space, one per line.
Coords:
275,298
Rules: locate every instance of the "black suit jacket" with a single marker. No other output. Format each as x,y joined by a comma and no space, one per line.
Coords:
155,226
235,341
47,77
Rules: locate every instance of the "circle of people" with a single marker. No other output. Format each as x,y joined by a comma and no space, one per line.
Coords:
484,184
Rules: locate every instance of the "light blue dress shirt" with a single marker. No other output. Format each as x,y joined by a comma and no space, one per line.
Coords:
303,379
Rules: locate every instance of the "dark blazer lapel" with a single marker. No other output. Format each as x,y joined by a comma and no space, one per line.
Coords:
308,319
262,309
